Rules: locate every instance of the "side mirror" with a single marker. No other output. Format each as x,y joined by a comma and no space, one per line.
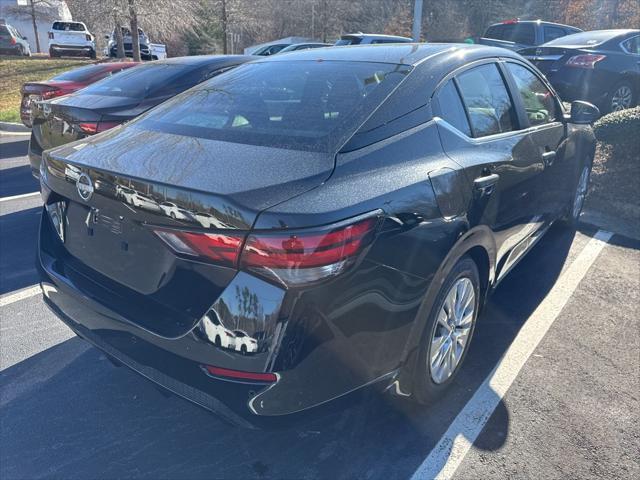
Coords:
584,113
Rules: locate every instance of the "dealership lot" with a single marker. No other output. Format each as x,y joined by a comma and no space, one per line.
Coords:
571,411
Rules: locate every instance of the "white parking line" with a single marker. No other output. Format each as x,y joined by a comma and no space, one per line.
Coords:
450,451
20,295
17,197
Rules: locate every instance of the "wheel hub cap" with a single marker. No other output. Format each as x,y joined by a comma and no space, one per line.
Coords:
621,99
453,327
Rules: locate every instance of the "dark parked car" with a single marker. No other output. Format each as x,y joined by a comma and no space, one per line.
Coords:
12,42
116,100
66,83
304,46
370,38
601,67
517,34
270,49
368,201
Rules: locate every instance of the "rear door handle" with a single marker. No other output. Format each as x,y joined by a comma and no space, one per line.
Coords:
549,157
485,185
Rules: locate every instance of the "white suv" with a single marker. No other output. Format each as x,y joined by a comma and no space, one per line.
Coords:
71,38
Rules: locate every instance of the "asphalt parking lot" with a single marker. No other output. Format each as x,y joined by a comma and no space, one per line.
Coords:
549,389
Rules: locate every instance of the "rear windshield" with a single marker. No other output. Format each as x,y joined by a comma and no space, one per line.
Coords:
304,105
80,74
68,26
584,38
146,81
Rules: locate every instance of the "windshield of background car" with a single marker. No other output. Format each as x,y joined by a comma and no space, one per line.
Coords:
513,32
583,39
302,105
146,81
348,41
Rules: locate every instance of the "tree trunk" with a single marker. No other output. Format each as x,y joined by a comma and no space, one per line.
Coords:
224,27
119,39
35,26
135,39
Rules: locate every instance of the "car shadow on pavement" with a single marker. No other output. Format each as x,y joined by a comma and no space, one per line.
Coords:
16,148
18,243
67,412
17,181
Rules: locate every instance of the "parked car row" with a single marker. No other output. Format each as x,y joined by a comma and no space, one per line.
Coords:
357,206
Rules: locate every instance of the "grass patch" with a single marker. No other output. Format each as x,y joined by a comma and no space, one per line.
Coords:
17,70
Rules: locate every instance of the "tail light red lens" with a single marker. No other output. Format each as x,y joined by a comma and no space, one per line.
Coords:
292,257
12,41
299,257
91,128
51,92
218,248
585,61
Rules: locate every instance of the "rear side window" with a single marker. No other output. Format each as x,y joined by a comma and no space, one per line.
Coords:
538,101
632,45
513,32
451,108
551,33
304,105
487,99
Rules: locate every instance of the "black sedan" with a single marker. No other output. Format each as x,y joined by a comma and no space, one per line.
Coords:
344,214
118,99
601,67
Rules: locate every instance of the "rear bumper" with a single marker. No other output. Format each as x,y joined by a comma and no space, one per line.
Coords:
35,156
13,50
73,49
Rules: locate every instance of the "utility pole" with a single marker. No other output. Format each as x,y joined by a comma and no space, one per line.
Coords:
225,49
417,20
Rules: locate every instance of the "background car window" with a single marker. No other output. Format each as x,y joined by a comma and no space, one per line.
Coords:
69,26
632,45
314,106
487,99
551,33
513,32
451,108
539,102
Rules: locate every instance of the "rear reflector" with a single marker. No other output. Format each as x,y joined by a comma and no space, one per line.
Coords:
290,257
91,128
587,60
238,375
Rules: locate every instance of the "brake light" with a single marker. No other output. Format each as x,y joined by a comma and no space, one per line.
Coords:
587,60
12,41
511,21
238,375
221,249
91,128
290,257
52,92
299,257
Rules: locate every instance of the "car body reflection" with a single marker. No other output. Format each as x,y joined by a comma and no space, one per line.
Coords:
217,333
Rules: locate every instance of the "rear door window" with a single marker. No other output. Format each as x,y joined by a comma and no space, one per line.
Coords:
538,100
551,33
452,109
632,45
487,100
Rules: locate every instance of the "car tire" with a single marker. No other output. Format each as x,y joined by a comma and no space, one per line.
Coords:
243,349
172,215
571,217
621,97
430,381
52,53
92,54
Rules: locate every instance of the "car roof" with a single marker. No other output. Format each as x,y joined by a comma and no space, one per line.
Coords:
398,53
591,38
539,22
373,35
197,60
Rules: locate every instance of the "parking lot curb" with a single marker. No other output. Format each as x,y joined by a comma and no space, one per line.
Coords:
10,127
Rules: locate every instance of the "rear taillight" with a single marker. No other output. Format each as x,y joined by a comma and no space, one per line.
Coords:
12,41
50,35
511,21
307,256
218,248
51,92
290,257
91,128
587,60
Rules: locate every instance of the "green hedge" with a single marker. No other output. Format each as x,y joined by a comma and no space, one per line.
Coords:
620,129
